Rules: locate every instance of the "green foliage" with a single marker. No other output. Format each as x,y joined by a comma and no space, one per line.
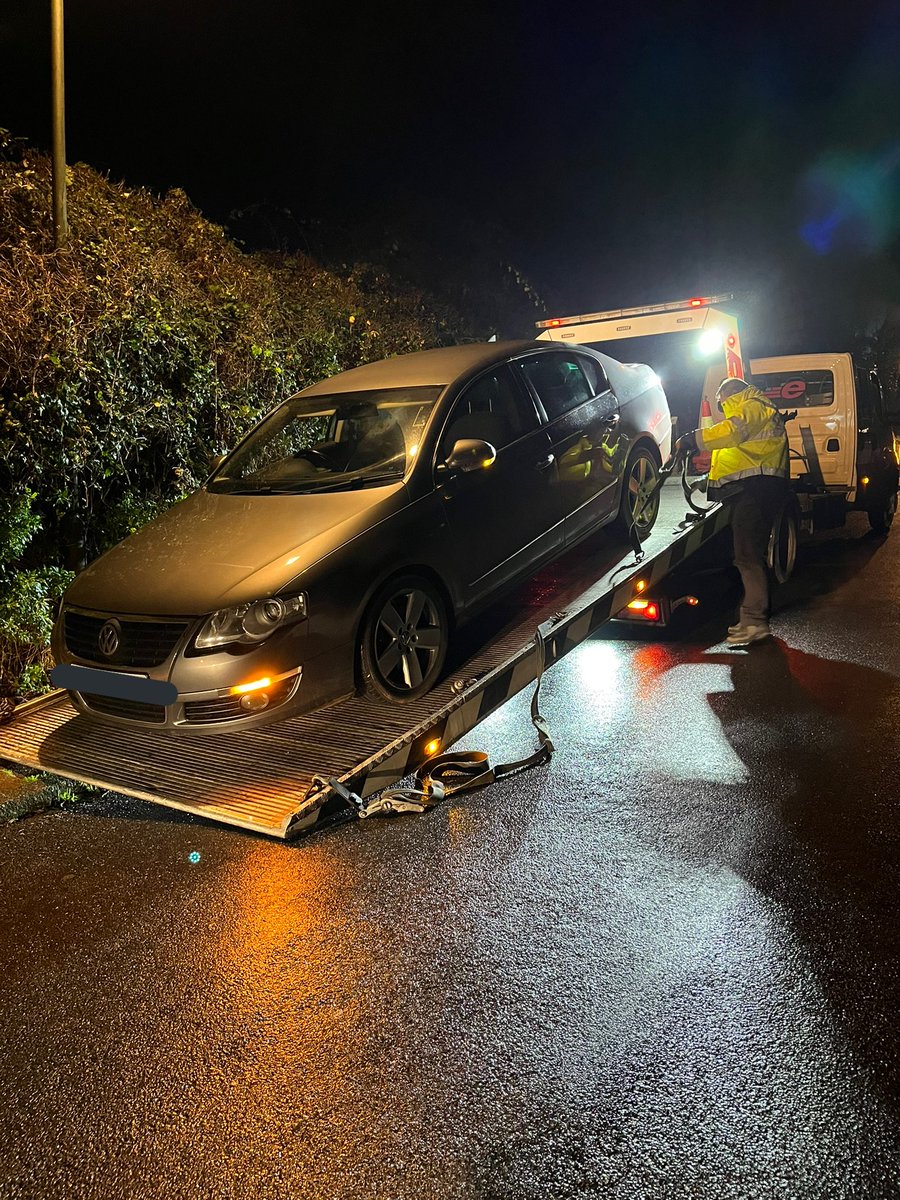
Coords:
131,355
24,795
28,597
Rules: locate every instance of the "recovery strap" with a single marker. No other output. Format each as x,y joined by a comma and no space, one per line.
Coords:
447,774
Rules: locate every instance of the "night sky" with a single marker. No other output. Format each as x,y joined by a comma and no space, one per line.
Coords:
621,154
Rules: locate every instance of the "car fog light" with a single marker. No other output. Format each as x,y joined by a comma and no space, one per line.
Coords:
254,702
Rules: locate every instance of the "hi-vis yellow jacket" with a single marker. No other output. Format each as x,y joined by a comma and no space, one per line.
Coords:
750,441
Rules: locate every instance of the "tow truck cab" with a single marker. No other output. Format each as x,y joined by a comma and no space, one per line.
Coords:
844,442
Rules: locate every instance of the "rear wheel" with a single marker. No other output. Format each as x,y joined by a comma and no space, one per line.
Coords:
641,477
881,515
783,543
404,639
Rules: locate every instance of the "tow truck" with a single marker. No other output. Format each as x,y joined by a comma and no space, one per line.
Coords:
286,778
844,441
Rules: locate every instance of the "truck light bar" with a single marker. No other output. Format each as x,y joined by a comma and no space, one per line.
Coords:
615,313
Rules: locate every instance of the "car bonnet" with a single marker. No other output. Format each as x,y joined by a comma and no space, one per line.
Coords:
212,550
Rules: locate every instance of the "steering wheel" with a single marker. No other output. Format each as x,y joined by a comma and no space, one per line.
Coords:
317,457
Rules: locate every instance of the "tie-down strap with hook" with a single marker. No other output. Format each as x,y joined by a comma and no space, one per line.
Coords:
448,774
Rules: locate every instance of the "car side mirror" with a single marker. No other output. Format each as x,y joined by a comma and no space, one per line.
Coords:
469,454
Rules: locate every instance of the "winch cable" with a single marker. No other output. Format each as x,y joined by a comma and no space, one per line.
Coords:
449,774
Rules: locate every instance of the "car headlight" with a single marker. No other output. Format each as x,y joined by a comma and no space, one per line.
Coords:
247,623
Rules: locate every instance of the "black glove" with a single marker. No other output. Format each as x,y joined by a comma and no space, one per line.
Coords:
686,444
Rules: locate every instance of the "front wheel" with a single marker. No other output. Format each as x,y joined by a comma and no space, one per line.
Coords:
782,555
636,508
881,515
404,639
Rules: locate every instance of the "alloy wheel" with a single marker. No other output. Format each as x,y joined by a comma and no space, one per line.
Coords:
405,641
642,478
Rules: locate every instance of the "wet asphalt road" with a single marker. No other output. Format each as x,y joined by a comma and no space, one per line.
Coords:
665,965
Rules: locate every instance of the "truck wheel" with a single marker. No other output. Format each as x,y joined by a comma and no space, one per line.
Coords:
641,476
783,543
404,639
881,515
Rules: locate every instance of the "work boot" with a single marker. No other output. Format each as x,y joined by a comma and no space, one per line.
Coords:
746,635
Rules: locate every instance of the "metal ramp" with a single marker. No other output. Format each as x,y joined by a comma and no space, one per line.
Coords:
262,779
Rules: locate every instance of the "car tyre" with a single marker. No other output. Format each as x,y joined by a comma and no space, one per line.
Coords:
782,552
403,645
640,477
881,515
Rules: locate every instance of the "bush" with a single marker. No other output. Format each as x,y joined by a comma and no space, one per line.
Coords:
150,342
146,344
27,601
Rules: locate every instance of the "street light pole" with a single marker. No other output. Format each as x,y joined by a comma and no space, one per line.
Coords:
60,222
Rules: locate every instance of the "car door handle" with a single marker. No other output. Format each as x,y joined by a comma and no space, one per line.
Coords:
611,422
543,464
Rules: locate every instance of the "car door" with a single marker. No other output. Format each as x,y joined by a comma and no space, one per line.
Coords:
503,519
583,417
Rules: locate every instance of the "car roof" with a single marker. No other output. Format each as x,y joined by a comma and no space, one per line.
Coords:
424,368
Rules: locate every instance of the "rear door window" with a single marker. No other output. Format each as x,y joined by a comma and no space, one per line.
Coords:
559,380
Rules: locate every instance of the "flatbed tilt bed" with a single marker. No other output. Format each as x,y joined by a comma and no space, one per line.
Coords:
266,780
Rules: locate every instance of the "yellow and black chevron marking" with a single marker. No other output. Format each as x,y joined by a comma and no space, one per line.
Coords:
594,608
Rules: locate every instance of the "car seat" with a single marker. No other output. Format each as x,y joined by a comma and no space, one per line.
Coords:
481,416
381,441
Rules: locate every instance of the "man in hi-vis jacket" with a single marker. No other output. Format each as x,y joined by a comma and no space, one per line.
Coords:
749,469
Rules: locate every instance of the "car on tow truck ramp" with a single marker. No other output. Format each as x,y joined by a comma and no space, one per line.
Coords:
337,546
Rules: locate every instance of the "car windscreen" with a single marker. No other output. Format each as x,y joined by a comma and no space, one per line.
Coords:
330,443
797,389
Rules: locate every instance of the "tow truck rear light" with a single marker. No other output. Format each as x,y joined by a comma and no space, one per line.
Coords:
647,610
554,321
698,301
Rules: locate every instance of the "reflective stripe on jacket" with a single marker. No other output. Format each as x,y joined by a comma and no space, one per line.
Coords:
750,441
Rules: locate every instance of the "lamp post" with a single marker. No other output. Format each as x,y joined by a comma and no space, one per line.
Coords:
60,222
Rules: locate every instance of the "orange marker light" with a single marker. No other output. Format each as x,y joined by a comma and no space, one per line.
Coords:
641,585
250,687
433,746
864,481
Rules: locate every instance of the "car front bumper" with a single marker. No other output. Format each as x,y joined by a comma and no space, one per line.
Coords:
201,692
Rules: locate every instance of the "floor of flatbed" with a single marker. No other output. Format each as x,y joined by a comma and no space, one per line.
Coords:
257,778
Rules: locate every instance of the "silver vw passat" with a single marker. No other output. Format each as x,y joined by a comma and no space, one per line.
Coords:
339,544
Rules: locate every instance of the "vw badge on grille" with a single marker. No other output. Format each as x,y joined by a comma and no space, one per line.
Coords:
108,638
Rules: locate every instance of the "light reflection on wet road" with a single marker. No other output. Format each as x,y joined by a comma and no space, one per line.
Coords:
664,965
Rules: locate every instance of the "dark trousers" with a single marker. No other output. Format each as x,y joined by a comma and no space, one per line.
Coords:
754,503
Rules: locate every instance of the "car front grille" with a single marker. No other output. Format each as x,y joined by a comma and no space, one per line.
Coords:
134,710
228,708
141,643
